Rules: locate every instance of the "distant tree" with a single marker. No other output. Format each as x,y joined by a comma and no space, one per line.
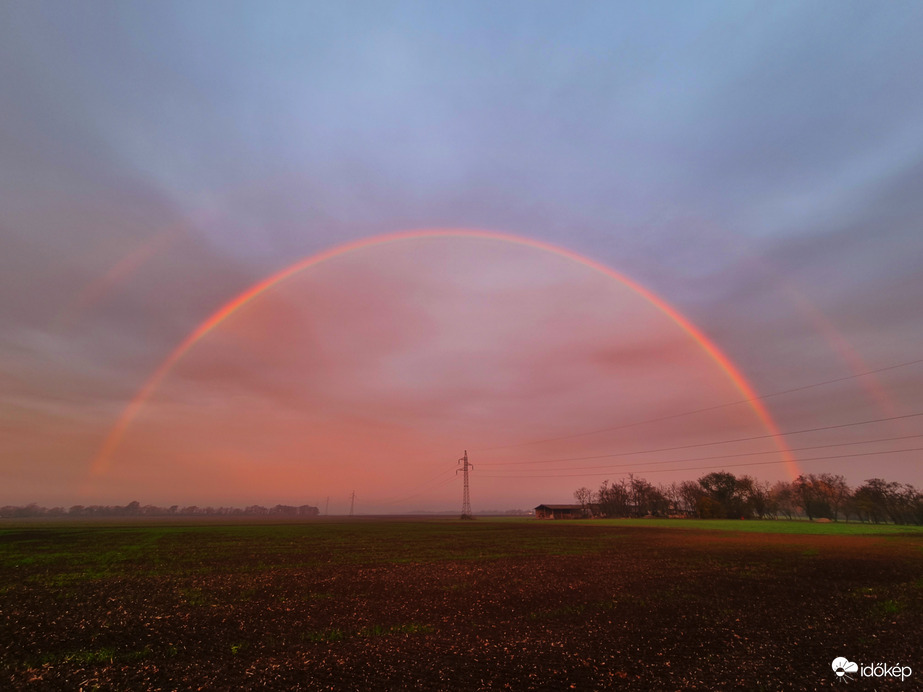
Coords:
30,510
870,501
837,492
709,508
631,497
907,501
645,499
690,493
725,495
743,499
782,499
878,500
638,496
804,493
755,497
614,499
671,494
584,497
822,495
916,506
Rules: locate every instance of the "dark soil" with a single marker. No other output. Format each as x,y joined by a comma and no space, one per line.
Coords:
549,607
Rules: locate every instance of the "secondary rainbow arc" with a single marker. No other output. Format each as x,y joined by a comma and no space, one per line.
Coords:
102,460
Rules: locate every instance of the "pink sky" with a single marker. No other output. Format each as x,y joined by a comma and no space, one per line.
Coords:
756,167
374,370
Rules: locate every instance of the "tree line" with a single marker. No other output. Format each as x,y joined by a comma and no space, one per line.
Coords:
722,495
136,509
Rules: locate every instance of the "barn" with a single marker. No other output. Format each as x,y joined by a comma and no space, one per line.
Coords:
560,512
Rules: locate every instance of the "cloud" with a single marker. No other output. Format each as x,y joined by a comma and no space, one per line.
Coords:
756,166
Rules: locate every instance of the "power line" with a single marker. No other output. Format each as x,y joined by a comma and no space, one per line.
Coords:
426,486
702,410
704,444
722,466
720,456
433,483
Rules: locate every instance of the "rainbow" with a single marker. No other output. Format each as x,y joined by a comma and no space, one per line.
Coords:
102,460
849,355
129,264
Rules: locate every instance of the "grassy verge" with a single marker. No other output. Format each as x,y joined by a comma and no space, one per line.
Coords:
839,528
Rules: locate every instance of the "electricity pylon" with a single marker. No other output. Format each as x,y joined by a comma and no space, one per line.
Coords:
466,498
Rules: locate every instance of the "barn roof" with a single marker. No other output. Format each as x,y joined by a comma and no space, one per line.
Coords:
560,507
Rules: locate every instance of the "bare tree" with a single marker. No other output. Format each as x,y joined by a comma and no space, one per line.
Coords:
782,499
614,499
690,493
837,492
585,497
755,496
672,495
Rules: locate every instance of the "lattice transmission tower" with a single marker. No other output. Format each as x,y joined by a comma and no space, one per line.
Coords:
466,497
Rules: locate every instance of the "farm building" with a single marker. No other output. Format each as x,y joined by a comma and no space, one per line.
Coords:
560,512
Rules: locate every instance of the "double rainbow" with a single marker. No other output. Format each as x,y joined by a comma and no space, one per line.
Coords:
102,462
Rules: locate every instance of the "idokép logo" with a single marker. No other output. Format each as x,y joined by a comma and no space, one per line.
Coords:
844,669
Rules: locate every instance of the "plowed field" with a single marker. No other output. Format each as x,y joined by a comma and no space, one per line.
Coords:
445,605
